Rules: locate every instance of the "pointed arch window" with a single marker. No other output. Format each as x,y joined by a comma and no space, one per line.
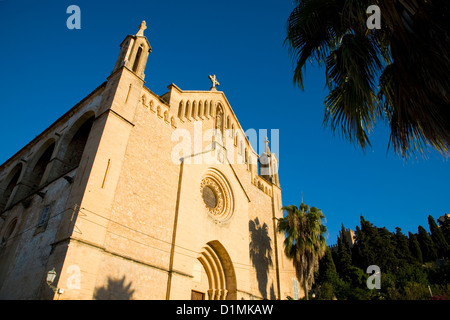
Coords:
138,57
219,119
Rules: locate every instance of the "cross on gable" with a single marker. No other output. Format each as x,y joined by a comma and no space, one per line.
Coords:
214,81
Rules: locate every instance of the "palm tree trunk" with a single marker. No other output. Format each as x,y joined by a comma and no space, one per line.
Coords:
305,285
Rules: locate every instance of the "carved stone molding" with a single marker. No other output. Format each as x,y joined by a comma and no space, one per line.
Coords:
217,197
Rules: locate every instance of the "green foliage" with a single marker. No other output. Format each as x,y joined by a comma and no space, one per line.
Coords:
398,73
414,248
404,275
305,240
427,245
445,227
438,238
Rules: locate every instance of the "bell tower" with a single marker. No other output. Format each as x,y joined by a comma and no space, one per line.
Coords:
268,165
134,51
122,92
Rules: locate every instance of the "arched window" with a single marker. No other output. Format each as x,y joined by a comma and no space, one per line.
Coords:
138,57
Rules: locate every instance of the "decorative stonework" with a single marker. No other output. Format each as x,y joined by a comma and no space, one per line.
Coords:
168,119
261,184
217,197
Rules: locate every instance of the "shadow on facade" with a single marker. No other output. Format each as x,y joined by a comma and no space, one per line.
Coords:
114,290
261,254
272,293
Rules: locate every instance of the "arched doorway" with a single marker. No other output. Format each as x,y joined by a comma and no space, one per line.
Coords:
221,277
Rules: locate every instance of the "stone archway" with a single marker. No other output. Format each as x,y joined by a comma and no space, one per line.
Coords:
220,272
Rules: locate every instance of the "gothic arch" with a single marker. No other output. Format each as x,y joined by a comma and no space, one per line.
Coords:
9,184
138,58
219,270
72,146
78,140
40,163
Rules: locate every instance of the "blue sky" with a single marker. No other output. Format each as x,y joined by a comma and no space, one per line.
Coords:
46,69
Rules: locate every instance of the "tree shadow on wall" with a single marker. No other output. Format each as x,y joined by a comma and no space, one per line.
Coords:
114,290
260,253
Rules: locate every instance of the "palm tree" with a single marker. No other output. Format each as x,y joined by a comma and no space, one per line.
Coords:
398,74
305,240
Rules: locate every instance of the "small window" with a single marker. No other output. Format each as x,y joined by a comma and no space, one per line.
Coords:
43,220
44,216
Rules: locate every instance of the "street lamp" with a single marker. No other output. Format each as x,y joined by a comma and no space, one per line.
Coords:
51,275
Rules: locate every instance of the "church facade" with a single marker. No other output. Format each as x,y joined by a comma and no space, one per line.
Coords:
132,195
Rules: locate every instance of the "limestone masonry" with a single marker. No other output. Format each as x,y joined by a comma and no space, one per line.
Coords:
117,197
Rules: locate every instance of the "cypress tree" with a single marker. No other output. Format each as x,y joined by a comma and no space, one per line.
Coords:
388,261
327,269
414,248
402,251
367,244
445,227
344,260
438,238
427,246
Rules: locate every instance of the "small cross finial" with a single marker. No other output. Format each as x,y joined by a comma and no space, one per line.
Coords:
214,81
142,27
